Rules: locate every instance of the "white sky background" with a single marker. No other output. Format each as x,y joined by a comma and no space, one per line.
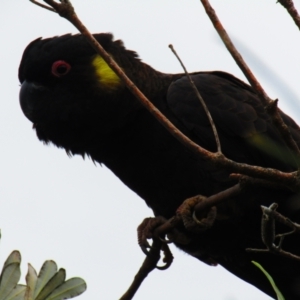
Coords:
82,216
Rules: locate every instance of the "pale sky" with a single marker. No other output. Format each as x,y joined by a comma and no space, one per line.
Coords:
81,215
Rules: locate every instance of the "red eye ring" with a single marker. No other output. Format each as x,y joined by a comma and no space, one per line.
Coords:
60,68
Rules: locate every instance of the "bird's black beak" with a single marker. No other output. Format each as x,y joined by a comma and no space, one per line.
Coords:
31,95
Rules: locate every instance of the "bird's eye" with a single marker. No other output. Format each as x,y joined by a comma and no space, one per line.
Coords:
60,68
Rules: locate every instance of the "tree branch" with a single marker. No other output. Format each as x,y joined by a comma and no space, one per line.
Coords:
209,202
211,121
148,266
42,5
268,102
289,6
268,233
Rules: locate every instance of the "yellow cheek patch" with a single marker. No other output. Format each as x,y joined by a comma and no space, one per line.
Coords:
106,76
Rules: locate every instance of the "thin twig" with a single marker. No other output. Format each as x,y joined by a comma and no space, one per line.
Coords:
234,53
268,234
280,218
211,121
290,7
268,102
251,181
63,8
66,10
275,251
42,5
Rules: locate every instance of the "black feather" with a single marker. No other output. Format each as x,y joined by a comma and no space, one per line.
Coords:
75,113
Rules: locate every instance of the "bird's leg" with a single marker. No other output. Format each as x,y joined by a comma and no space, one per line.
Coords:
158,228
196,222
197,214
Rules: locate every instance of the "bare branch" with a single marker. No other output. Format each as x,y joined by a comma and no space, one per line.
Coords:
272,213
209,202
275,251
234,53
64,8
268,234
211,121
268,102
289,5
42,5
149,264
251,181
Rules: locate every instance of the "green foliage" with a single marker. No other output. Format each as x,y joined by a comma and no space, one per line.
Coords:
49,284
277,291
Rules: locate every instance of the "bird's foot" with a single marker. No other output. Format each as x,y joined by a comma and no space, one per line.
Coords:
196,222
145,231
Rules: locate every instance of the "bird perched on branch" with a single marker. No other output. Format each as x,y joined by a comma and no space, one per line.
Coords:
77,102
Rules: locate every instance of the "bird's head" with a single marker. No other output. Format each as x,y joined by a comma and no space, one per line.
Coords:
68,91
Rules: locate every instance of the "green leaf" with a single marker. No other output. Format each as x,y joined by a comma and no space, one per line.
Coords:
69,289
52,284
18,293
277,291
31,280
47,271
9,279
15,256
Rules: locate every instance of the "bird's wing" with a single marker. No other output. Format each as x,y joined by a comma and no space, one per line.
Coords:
245,129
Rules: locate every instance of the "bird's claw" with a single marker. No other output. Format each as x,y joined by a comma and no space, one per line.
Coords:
168,257
190,220
145,232
166,241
